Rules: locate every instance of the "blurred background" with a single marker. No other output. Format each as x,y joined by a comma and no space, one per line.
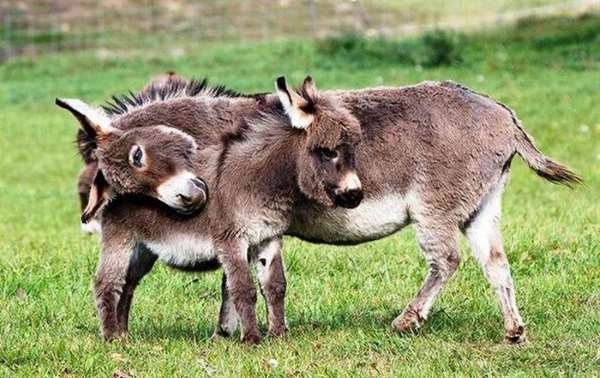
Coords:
36,26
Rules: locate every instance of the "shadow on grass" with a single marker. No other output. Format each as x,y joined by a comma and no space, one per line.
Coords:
450,325
443,326
153,331
456,326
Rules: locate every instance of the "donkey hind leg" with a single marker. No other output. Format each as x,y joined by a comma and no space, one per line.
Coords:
228,316
140,263
486,245
440,248
110,279
271,277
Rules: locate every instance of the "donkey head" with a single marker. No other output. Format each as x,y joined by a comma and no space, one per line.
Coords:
157,161
326,169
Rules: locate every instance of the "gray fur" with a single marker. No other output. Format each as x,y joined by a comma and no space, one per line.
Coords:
434,151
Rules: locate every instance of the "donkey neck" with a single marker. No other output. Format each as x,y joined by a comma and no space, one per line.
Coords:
254,170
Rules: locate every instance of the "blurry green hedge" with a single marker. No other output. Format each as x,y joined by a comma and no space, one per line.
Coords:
435,48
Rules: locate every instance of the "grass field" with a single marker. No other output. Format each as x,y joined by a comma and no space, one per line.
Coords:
341,301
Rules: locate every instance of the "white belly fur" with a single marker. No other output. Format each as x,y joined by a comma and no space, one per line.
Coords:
372,219
183,250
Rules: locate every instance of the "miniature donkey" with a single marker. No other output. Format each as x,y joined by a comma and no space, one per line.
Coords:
188,243
435,155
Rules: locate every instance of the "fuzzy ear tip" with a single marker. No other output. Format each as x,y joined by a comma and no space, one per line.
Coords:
281,83
60,102
85,217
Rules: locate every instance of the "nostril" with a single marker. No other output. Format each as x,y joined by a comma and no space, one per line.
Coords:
198,183
356,194
185,199
359,196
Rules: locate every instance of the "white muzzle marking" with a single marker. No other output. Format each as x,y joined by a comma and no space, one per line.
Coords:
350,181
168,191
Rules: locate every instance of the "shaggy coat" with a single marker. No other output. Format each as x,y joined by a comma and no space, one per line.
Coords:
435,155
326,179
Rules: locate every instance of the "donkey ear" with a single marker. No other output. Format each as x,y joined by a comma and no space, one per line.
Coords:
99,194
93,120
309,90
295,105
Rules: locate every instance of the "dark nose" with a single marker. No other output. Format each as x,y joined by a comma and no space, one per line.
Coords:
348,198
194,195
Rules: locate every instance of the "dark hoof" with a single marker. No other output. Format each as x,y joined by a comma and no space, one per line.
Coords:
516,336
251,339
408,321
220,333
116,337
280,332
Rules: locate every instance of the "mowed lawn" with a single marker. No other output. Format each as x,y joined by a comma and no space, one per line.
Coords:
341,300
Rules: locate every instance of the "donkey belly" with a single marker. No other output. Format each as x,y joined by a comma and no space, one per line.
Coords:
373,219
186,252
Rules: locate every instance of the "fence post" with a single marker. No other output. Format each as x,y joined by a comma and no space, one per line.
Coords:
7,51
314,17
363,19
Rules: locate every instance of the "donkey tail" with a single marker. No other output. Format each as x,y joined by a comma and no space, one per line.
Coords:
535,159
541,164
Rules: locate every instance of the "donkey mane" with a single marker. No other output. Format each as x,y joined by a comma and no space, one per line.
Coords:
154,92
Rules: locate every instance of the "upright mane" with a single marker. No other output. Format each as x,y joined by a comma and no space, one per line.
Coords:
164,90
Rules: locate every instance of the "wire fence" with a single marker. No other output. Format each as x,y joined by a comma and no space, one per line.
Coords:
35,27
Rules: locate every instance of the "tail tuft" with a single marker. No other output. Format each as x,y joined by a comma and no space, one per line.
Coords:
557,173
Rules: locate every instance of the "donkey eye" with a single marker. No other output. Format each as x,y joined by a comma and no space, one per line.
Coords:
137,157
327,154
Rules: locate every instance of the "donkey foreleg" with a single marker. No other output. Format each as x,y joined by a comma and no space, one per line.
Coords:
271,276
108,285
440,249
140,264
228,316
234,257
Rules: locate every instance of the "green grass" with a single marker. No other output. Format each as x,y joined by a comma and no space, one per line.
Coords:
341,301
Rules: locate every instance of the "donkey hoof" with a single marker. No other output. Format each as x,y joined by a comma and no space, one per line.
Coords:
251,339
216,336
220,333
116,337
279,332
516,336
408,321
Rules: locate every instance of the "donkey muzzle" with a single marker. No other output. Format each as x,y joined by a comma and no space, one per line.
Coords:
184,193
348,198
348,193
193,196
